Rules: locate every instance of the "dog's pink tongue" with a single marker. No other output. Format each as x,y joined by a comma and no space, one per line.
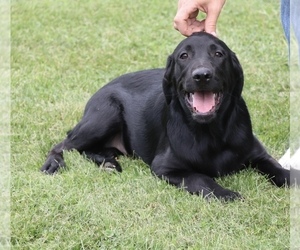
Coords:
203,101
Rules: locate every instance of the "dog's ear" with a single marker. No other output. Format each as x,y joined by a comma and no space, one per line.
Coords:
238,75
168,79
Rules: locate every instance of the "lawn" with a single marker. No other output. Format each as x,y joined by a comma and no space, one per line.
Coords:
4,124
62,52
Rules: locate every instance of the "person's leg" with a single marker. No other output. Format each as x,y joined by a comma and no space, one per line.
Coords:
285,18
295,19
285,21
290,15
295,30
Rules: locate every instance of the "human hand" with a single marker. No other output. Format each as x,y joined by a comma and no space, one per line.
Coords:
186,21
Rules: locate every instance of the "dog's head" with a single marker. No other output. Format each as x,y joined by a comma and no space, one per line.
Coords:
204,75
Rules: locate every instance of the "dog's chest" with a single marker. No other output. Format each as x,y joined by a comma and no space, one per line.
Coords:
205,153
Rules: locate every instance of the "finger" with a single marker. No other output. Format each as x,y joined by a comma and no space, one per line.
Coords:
181,23
189,26
198,26
211,23
212,18
185,20
188,30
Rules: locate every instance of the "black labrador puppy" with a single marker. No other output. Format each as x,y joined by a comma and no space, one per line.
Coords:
188,122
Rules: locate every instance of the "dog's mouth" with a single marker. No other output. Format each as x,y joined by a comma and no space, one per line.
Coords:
203,102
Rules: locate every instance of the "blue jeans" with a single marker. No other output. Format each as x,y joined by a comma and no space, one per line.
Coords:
290,16
285,18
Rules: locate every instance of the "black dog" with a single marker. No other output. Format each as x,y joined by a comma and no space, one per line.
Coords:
188,122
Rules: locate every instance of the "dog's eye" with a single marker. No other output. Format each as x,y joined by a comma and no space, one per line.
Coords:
183,56
218,54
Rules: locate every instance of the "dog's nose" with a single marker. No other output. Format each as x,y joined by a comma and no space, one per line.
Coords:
202,74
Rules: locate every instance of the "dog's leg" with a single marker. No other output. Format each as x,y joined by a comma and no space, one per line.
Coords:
273,170
266,164
199,184
90,135
191,181
54,159
86,141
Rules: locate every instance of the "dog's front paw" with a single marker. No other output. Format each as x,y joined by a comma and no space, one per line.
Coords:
281,178
53,163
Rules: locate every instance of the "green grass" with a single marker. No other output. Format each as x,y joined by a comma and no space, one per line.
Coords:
4,125
62,52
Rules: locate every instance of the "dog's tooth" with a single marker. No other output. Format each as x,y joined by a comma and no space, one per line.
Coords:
216,95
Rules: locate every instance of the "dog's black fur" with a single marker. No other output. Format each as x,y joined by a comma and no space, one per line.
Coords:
188,122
